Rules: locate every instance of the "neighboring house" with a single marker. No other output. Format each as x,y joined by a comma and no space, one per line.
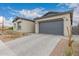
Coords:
54,23
78,29
23,25
75,30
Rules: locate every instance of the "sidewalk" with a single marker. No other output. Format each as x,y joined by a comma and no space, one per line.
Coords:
5,51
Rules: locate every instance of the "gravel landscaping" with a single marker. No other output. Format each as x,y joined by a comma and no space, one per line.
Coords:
11,35
60,48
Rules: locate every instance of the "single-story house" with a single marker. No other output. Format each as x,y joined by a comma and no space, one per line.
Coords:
54,23
23,25
51,23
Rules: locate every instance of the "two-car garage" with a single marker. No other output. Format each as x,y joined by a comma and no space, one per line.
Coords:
55,27
55,24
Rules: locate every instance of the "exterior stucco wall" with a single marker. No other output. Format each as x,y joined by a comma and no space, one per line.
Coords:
66,18
26,26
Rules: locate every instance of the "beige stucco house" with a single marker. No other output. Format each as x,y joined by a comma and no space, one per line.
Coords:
54,23
23,25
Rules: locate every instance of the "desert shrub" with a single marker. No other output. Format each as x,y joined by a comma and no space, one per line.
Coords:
69,51
10,28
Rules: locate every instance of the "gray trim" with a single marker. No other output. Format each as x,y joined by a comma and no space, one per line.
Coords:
52,16
58,19
22,19
57,14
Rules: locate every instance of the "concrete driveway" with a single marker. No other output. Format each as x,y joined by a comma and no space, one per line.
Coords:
32,45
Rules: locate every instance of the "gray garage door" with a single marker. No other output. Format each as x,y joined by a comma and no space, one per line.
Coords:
51,27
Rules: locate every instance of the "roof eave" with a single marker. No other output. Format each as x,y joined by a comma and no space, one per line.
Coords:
22,19
71,12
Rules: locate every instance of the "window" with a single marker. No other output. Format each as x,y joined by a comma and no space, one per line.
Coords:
19,25
14,25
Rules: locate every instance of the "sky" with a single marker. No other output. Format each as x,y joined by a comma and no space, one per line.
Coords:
8,11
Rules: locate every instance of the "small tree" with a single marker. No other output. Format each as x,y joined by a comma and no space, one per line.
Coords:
69,50
78,28
2,25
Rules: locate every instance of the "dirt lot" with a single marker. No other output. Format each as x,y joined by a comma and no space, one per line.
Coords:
76,48
59,50
10,35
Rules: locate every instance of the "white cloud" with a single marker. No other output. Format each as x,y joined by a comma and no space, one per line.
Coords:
38,12
75,13
6,22
69,5
30,14
74,6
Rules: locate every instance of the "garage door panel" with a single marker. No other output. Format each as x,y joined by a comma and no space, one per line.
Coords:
51,27
60,27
